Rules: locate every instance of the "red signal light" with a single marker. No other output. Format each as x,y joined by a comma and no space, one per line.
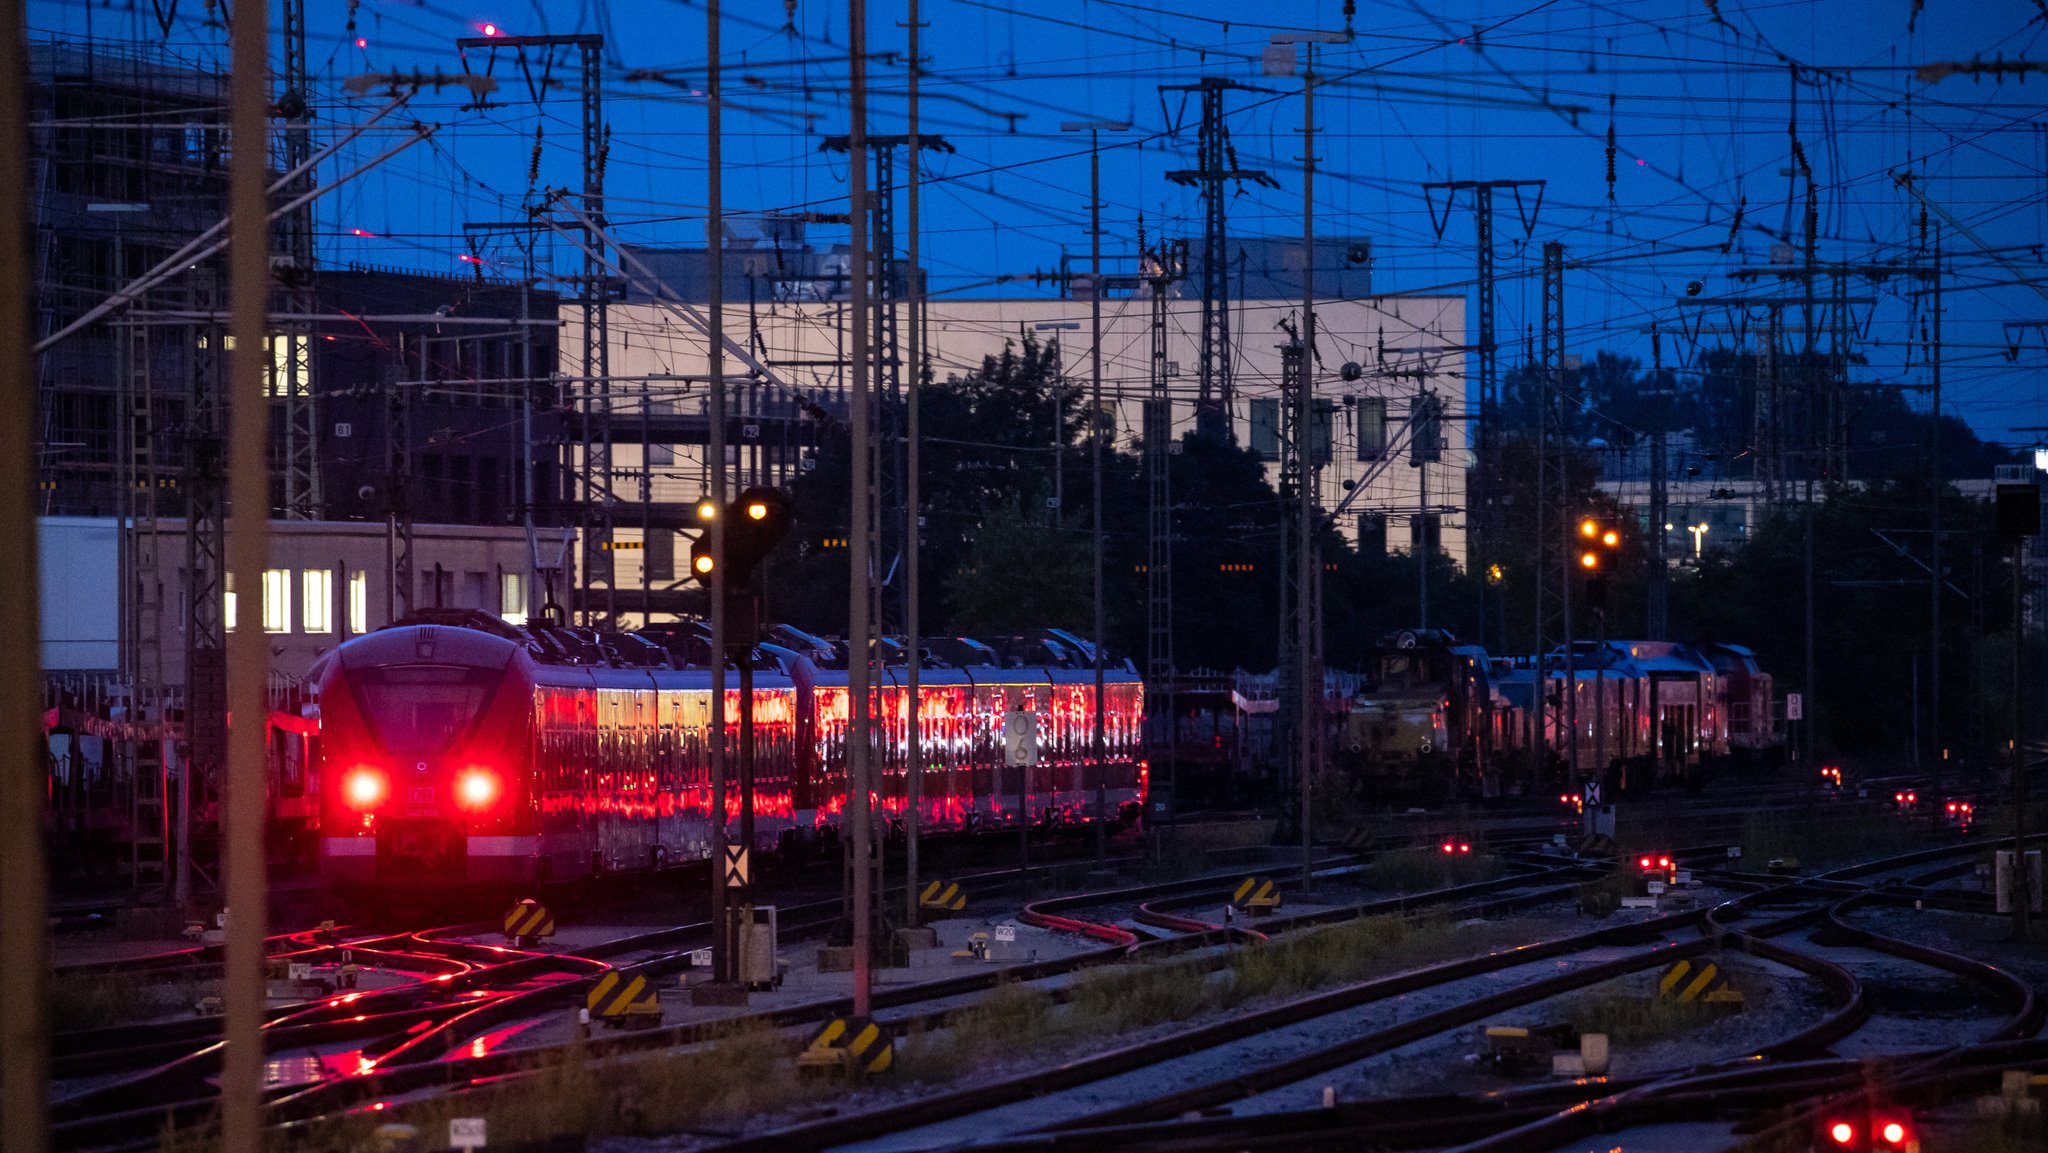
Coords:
490,29
364,788
1893,1132
1912,798
1644,863
1463,847
476,788
1899,798
1663,862
1449,848
1842,1132
1951,806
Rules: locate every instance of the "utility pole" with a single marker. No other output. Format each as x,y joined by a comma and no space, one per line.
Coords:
1308,716
1167,264
241,1076
24,947
1553,377
1658,614
724,962
860,650
1216,164
1935,485
292,372
913,519
1095,129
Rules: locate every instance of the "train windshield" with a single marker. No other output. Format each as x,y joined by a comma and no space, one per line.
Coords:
423,708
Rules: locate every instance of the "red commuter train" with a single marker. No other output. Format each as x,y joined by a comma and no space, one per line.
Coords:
452,756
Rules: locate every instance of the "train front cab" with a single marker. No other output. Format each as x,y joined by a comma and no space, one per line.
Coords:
424,752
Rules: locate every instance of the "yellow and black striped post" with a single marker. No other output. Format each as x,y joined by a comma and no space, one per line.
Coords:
1256,895
945,896
855,1046
617,997
1702,983
528,921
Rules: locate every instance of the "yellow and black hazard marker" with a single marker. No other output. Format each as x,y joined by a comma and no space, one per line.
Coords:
1256,895
946,896
1702,983
618,999
853,1046
528,921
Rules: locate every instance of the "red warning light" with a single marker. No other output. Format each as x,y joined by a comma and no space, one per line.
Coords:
1463,847
362,232
1894,1132
477,788
466,258
490,29
1842,1132
1449,847
362,42
1644,863
1663,862
364,787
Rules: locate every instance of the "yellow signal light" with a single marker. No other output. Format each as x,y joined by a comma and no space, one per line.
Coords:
706,510
1611,538
702,564
757,510
1589,561
1588,528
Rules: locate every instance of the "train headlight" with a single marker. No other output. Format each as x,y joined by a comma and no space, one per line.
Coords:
364,788
477,789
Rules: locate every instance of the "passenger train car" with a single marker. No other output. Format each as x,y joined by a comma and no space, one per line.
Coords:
1437,719
457,756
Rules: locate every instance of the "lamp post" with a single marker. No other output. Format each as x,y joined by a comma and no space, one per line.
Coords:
1699,537
1095,129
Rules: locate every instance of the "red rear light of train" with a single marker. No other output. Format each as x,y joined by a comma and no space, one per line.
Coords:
477,788
1841,1132
1893,1132
1645,863
364,788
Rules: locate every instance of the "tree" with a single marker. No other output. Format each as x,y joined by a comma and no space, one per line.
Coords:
1019,572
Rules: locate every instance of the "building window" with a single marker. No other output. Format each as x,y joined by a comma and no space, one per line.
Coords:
660,554
277,600
316,600
1372,427
359,602
512,597
227,601
1265,422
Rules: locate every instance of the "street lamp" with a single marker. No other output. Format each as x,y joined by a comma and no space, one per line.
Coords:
1095,129
1699,534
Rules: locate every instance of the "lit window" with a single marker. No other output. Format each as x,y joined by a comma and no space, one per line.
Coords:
512,593
277,600
227,601
358,602
316,600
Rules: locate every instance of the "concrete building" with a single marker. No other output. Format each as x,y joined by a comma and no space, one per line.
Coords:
327,581
1376,355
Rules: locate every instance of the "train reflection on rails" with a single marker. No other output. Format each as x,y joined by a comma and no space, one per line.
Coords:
1435,718
489,755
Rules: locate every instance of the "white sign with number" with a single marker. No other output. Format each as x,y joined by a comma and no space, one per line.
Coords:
298,971
466,1133
1006,934
1795,707
1020,738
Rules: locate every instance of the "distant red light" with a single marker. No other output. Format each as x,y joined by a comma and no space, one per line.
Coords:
1663,862
466,258
1463,847
490,29
361,42
362,232
1447,847
364,788
1894,1133
477,789
1899,797
1645,862
1842,1132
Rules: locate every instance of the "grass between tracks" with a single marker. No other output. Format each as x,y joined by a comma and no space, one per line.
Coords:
567,1099
1630,1018
98,1000
1019,1020
1826,839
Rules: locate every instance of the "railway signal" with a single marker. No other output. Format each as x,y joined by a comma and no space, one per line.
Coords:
1865,1132
754,524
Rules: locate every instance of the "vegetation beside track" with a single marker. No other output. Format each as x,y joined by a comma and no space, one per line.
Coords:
1828,838
1015,1020
81,1001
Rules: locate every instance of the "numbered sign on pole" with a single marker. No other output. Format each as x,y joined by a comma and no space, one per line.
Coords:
1795,707
1020,738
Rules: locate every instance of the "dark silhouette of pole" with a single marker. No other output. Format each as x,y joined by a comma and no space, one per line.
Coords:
24,948
860,652
248,649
